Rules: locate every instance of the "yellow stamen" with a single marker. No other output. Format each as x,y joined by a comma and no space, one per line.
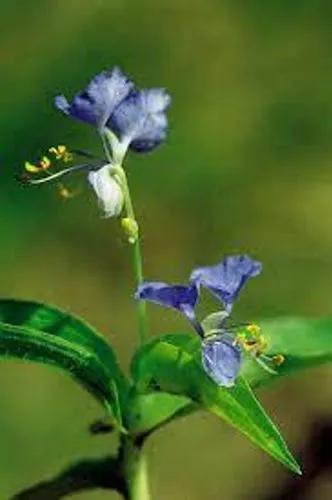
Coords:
249,345
64,192
45,163
32,169
61,153
253,329
278,359
252,341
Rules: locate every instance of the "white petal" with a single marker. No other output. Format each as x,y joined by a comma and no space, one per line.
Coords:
108,191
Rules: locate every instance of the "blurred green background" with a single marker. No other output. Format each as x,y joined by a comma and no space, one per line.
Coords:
247,167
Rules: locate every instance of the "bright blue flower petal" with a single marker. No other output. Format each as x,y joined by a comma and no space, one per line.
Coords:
175,296
221,359
97,102
226,279
180,297
140,120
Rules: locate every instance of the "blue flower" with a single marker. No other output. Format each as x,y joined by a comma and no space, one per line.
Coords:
226,279
136,117
221,359
97,102
221,354
140,120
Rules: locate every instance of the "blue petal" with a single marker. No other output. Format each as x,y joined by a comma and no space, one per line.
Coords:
61,103
97,102
226,279
221,359
140,120
175,296
180,297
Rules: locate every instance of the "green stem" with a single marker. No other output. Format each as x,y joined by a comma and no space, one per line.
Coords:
135,470
141,305
108,140
136,249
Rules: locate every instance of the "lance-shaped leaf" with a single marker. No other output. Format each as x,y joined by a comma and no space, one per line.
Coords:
303,342
148,412
42,333
167,361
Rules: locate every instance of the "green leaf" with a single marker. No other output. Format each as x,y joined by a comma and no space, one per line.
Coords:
303,342
38,332
173,362
150,411
31,345
52,320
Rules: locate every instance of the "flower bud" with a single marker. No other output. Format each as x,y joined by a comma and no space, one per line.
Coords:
130,228
108,191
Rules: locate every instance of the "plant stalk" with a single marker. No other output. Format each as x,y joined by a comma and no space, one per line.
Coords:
141,305
136,249
109,140
135,470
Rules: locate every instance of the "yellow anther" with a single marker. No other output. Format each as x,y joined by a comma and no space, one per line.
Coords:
253,329
32,169
249,345
64,192
45,163
61,153
278,359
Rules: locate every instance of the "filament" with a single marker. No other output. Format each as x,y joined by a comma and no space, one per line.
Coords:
61,173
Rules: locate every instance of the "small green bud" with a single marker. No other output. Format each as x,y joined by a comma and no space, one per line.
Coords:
130,228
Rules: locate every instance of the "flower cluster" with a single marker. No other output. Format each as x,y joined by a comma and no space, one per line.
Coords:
222,345
111,101
126,118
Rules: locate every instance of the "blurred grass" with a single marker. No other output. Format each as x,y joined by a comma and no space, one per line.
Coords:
246,168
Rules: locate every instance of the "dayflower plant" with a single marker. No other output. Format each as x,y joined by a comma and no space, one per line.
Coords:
171,375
